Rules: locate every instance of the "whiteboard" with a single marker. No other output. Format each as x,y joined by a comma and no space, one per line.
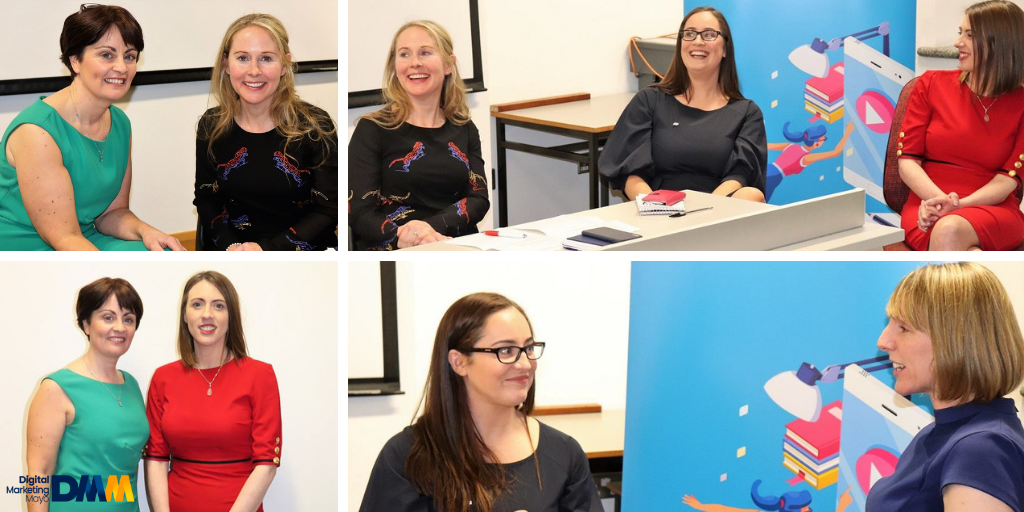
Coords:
365,321
371,29
179,34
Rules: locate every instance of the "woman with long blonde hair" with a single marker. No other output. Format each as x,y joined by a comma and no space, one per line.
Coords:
416,174
266,161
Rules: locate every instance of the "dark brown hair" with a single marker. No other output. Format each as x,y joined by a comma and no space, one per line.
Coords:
235,338
449,461
677,79
996,27
89,24
92,296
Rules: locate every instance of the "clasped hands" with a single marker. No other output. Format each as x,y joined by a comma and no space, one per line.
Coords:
417,232
932,209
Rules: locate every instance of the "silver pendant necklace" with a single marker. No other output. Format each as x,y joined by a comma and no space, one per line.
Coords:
983,104
119,386
100,151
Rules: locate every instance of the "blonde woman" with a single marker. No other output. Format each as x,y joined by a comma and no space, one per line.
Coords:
266,161
415,170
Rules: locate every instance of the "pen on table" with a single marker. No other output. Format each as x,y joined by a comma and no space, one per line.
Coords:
681,214
504,234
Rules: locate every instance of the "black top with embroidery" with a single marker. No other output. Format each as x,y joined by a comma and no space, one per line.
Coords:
251,192
412,173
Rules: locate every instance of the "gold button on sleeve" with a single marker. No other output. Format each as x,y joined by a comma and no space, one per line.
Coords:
1016,165
277,449
899,152
899,145
1013,174
278,440
277,460
902,135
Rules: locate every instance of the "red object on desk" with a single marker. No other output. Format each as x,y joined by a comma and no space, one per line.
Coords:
669,197
505,235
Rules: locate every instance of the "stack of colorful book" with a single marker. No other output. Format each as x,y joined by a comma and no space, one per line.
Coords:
811,449
824,96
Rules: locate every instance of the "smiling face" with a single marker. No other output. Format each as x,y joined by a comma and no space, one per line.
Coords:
106,67
110,328
255,66
910,351
206,315
489,381
419,65
700,56
965,44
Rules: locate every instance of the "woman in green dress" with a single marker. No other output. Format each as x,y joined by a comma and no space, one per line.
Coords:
66,170
89,418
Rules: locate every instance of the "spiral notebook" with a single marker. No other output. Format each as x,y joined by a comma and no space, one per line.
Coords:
657,207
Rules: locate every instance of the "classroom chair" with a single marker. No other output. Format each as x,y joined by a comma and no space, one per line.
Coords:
893,187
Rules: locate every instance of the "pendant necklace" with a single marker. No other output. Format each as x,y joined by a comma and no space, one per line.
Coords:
119,387
209,389
97,146
983,104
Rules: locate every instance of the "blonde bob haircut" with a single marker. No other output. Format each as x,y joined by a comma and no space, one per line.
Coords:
294,118
397,105
976,340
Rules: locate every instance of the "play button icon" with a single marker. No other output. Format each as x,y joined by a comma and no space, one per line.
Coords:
876,111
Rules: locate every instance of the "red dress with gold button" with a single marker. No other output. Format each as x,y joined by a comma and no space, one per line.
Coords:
213,441
945,128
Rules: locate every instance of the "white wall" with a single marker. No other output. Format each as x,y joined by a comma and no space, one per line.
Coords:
937,24
289,312
581,310
164,120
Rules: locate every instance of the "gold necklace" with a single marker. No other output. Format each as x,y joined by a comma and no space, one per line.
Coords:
83,124
209,389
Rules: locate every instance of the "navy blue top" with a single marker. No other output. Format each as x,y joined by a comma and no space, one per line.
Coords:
977,445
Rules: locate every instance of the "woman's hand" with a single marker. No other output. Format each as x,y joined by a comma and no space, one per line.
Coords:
247,246
156,240
932,209
417,232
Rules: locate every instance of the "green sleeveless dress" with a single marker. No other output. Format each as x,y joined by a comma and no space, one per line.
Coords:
104,439
96,183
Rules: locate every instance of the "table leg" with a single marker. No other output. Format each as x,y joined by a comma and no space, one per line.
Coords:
594,176
502,179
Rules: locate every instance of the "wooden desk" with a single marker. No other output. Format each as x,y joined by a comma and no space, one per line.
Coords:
601,434
833,222
577,116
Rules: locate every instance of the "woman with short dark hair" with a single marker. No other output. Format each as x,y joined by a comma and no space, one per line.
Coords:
953,335
66,170
88,418
476,447
961,145
694,129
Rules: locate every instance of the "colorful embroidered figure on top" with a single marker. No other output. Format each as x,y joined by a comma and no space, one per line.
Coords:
234,163
415,154
458,154
282,163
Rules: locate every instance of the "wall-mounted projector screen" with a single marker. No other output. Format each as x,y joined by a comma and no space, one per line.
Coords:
372,26
372,329
181,38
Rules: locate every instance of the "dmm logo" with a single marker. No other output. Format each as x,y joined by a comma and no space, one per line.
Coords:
90,488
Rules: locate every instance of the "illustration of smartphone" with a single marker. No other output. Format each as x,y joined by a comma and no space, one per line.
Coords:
878,424
872,84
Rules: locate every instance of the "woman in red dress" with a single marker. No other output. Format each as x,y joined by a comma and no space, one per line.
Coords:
215,415
961,145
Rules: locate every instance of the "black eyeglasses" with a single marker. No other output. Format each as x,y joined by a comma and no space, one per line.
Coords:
510,355
707,35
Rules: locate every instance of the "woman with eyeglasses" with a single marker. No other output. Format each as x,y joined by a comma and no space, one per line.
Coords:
66,171
475,444
693,130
